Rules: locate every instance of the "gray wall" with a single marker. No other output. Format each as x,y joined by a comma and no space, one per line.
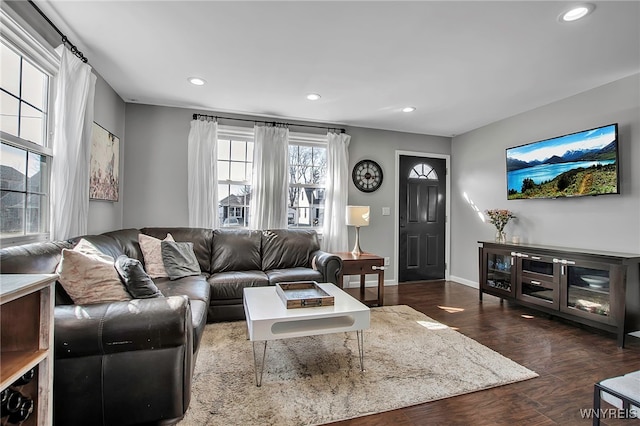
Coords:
609,222
156,163
109,112
156,166
381,146
156,171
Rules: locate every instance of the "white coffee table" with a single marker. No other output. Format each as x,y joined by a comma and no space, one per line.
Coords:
269,319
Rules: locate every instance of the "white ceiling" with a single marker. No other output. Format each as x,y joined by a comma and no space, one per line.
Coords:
461,64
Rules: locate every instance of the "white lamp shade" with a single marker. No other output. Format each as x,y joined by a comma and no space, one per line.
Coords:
357,215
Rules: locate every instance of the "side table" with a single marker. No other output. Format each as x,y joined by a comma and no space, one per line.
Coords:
26,327
363,264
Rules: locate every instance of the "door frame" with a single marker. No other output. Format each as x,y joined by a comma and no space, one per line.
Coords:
447,230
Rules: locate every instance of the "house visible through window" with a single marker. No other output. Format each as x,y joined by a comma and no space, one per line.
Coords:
25,157
235,162
307,172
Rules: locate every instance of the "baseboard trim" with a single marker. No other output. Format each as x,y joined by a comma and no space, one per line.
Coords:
464,281
374,283
368,283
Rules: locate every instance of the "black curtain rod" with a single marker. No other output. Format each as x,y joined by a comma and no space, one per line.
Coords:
215,117
65,40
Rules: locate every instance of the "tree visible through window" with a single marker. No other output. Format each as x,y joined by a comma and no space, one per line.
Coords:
307,172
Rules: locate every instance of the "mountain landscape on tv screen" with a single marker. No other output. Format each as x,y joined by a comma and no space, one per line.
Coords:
571,170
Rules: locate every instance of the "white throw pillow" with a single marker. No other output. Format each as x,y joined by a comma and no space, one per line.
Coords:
152,252
86,247
89,276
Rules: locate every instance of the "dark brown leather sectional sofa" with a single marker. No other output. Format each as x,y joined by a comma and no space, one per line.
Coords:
131,362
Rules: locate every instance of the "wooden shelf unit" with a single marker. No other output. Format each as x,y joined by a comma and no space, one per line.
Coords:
559,284
26,339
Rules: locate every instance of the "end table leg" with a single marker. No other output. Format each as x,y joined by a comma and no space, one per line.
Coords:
360,337
261,362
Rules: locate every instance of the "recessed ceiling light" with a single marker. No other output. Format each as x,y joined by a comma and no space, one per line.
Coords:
196,81
408,109
313,96
576,13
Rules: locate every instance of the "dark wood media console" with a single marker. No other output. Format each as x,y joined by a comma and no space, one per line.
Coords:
597,288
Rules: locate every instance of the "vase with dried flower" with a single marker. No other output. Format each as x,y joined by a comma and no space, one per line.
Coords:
499,218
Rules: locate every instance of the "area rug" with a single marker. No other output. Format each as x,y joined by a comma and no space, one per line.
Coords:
409,359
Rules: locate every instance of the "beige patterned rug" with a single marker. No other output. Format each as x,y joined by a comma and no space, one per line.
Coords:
409,359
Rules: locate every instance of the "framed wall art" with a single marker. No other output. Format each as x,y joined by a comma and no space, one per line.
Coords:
105,165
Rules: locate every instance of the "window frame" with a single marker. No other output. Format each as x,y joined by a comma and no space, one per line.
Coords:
295,138
234,133
309,140
26,42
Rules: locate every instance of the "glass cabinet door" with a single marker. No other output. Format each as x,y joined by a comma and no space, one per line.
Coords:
499,267
587,291
538,280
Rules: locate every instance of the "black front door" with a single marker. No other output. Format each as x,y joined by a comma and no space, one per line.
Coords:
422,218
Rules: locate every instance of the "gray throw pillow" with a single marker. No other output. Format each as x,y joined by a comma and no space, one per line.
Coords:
138,283
179,259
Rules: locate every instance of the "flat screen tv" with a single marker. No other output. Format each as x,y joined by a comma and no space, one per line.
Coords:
573,165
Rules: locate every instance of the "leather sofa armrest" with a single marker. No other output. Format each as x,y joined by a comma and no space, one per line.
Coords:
328,264
108,328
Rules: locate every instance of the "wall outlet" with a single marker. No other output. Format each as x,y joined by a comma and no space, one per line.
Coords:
386,211
387,261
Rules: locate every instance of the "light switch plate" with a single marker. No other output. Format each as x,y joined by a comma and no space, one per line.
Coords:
386,211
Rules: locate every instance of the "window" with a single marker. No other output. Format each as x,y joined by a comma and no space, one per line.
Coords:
25,157
423,171
307,172
235,163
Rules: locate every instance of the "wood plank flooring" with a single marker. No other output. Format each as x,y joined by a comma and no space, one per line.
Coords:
568,357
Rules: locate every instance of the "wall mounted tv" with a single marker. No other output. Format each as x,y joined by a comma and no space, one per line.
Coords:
573,165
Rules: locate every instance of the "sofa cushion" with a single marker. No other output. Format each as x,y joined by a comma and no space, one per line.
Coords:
200,237
236,250
102,243
286,248
152,252
33,258
293,274
89,276
230,285
138,283
127,240
179,259
196,289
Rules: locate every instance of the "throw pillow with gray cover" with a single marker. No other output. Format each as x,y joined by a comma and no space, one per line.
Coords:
138,283
179,259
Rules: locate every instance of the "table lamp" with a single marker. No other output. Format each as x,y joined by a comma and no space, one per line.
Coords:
357,216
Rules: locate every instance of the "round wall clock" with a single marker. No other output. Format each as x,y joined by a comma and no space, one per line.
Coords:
367,175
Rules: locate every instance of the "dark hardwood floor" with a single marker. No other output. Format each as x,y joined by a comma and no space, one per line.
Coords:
568,357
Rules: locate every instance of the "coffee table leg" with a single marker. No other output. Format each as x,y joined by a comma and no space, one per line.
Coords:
261,363
360,336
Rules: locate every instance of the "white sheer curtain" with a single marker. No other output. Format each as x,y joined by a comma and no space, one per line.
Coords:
335,234
270,183
202,174
73,121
